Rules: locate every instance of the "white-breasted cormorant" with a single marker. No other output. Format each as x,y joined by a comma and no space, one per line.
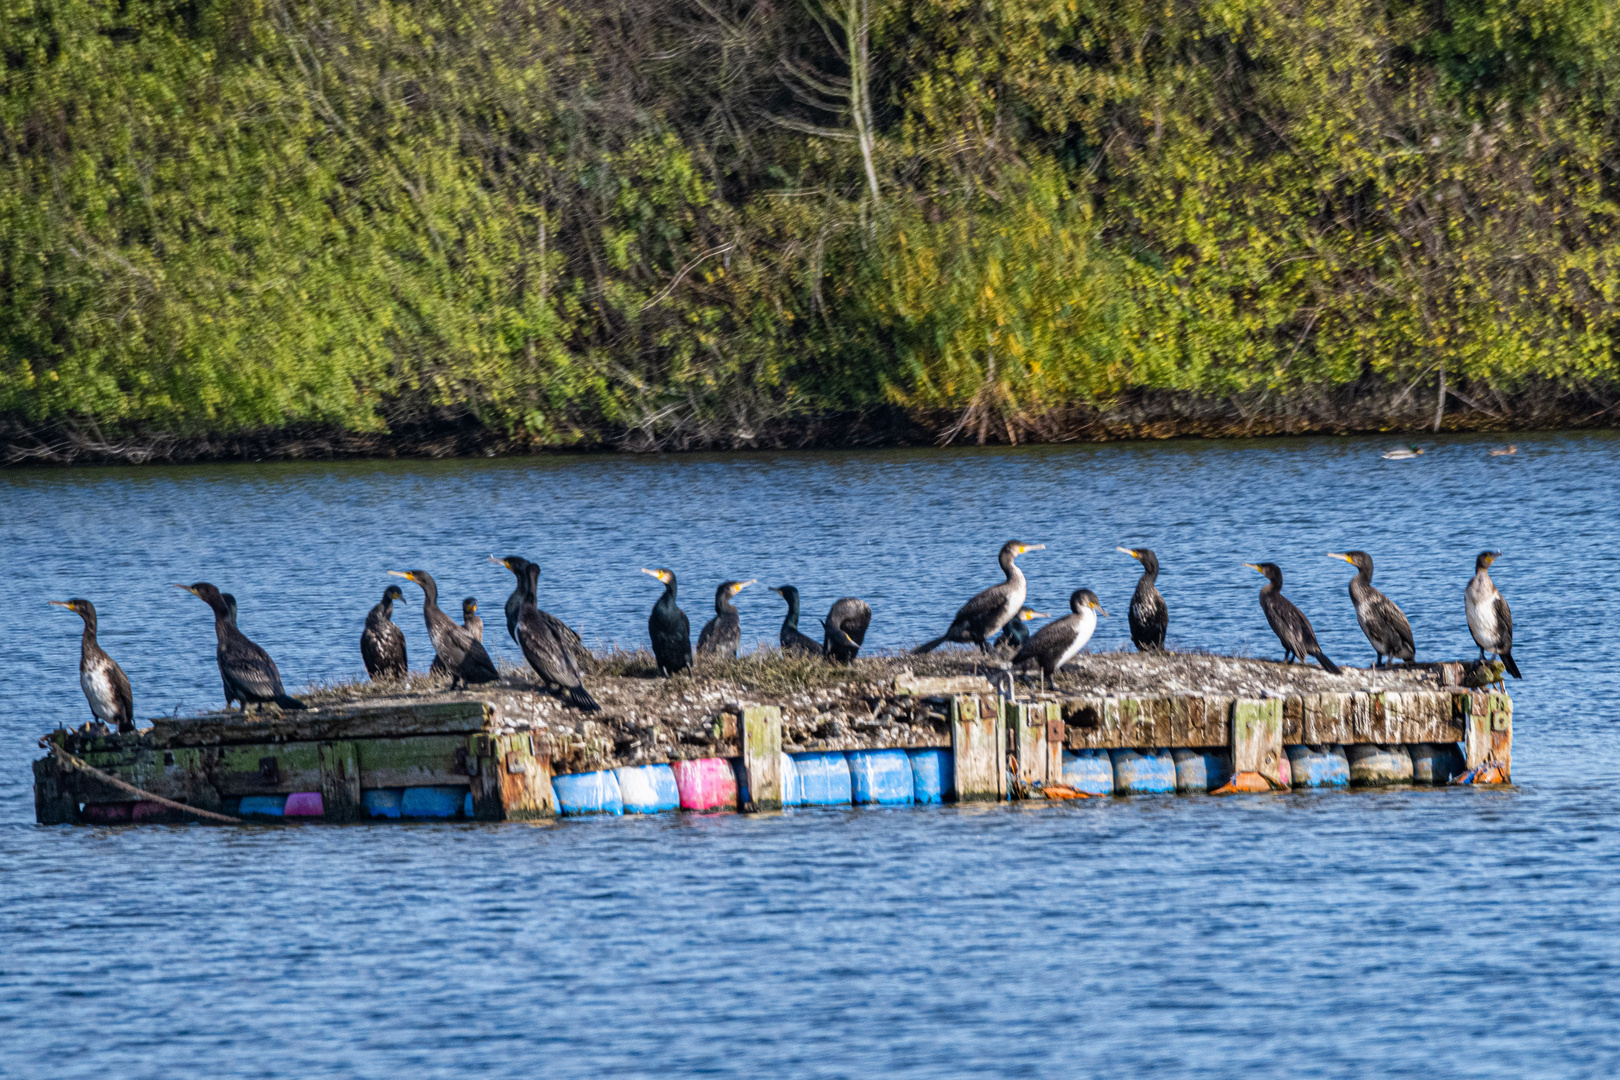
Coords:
1289,623
669,628
1489,619
1149,614
844,628
527,586
1381,620
104,683
982,617
1056,643
722,635
539,636
792,640
382,644
247,672
456,650
1016,632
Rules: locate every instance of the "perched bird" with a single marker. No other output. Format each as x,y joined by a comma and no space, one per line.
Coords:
1384,624
543,645
1150,615
722,634
456,650
1505,451
1489,619
104,683
1290,625
1016,632
1056,643
669,629
382,644
844,628
981,617
471,623
1482,673
1402,453
247,672
792,640
528,587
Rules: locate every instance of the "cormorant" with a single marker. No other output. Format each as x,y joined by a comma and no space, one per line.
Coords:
1489,619
1290,625
104,683
1016,632
844,629
248,673
382,644
722,634
538,634
669,629
1056,643
981,617
792,640
1384,624
230,606
471,623
1149,614
526,586
458,652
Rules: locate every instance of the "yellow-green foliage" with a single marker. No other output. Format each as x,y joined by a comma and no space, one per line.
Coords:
651,220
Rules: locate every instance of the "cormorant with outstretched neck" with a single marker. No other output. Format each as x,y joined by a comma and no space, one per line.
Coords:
844,628
792,640
1056,643
247,672
1489,619
382,644
669,629
528,587
546,650
104,683
722,634
980,618
1384,624
1289,623
1016,632
1150,615
456,650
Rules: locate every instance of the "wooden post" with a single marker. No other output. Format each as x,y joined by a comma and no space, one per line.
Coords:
513,782
1488,731
1056,735
1257,738
762,756
340,781
1027,728
54,803
978,750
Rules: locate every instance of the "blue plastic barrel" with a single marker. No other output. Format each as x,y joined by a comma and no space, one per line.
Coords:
791,795
1090,771
431,802
1436,763
467,806
1372,765
647,789
823,780
880,777
1143,772
1319,766
588,793
1201,768
381,802
933,775
262,806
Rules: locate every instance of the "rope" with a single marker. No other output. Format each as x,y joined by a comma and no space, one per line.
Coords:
74,763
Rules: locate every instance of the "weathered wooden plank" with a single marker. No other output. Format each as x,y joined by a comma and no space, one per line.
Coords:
762,756
417,761
1026,733
266,769
978,749
1054,742
1488,723
54,800
340,780
908,685
523,772
332,725
1257,745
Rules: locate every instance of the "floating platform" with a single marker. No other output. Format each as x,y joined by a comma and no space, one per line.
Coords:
774,733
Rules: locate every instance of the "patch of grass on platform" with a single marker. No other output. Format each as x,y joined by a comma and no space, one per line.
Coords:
344,691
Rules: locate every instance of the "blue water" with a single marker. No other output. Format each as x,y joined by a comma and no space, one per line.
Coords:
1425,933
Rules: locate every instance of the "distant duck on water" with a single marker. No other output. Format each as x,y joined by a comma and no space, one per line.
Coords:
1505,451
1402,453
104,683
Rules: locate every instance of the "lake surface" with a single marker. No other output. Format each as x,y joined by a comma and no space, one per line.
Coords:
1425,933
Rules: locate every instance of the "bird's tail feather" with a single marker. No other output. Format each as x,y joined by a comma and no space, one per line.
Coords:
1512,668
929,646
289,702
1327,665
579,698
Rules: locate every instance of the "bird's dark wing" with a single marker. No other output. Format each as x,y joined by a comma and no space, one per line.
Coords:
546,649
853,616
1150,617
795,642
248,667
977,615
123,697
1290,625
721,635
383,649
1504,626
476,666
1391,623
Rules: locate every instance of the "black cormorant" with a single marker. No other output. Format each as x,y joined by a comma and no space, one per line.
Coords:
382,644
844,628
722,634
527,586
543,645
105,685
981,617
457,652
1149,614
669,629
248,673
1290,625
1489,619
1016,632
792,640
1384,624
1056,643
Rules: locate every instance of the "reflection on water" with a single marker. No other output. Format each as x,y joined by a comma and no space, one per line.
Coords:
1428,932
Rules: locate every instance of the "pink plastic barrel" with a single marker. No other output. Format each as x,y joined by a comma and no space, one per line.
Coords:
705,784
107,813
304,804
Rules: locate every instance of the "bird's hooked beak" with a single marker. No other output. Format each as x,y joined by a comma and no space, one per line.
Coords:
741,585
659,574
1027,614
188,589
1030,547
1492,557
1129,552
1098,608
774,589
500,562
1340,555
406,574
62,603
1253,567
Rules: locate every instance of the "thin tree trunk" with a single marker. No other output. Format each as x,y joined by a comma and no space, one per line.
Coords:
1440,403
